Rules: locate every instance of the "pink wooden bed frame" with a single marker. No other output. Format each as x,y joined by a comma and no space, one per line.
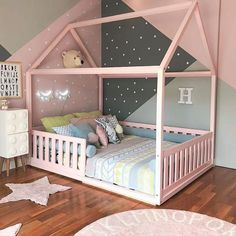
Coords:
175,167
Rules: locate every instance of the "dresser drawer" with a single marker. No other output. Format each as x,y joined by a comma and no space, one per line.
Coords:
17,144
17,121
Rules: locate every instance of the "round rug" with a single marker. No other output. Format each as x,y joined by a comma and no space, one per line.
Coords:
159,223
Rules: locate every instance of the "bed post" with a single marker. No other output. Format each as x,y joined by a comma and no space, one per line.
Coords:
213,114
29,106
100,93
159,132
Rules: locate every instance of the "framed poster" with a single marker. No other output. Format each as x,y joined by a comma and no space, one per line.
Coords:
10,80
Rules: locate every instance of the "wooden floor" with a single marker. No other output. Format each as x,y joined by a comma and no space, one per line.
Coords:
67,212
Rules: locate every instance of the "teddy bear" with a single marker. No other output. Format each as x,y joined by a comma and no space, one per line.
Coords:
72,59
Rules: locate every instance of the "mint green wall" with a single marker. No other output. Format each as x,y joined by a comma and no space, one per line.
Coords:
21,20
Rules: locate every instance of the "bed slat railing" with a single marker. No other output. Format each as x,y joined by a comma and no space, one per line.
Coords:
59,154
182,161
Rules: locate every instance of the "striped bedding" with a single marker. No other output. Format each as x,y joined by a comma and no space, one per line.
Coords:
126,164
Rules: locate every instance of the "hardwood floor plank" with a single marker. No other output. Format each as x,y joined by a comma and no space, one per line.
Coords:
67,212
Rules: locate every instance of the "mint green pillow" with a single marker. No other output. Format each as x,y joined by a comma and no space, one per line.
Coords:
56,121
91,114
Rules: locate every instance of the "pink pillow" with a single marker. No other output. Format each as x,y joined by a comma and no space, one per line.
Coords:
90,121
102,135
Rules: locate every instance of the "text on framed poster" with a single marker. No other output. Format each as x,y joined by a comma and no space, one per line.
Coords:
10,80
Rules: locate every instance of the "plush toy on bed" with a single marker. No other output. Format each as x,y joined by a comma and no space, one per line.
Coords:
72,59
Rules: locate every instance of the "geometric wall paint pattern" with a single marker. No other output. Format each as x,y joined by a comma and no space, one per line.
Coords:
133,42
4,54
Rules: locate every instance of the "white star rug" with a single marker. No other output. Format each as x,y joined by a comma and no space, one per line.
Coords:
37,191
10,231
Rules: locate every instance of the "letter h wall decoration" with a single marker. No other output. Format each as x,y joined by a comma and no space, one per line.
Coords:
185,96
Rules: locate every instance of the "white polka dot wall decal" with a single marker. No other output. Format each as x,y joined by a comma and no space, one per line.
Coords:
117,47
114,99
107,6
29,65
46,42
117,3
123,54
134,82
109,109
49,29
112,40
141,37
149,48
107,34
127,89
118,86
178,54
129,112
146,23
118,111
168,67
142,89
126,41
133,27
58,65
154,90
134,91
106,99
67,14
111,59
139,58
55,80
119,27
107,48
104,64
29,49
154,36
187,63
124,101
136,101
159,49
121,94
108,83
134,49
129,62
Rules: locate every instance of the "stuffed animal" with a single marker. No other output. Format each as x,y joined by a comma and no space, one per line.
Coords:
72,59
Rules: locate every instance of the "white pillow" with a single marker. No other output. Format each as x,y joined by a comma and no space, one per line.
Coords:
11,230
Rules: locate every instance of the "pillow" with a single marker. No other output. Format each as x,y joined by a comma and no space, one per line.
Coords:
102,135
91,121
118,128
110,131
64,130
55,121
85,131
91,151
88,114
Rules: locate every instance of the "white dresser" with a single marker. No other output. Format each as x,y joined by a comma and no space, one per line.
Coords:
14,139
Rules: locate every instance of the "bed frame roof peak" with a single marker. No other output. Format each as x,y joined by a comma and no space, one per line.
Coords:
192,9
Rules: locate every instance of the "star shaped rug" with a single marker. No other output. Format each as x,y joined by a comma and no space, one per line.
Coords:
37,191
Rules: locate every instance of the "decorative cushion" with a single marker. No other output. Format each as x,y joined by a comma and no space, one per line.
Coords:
118,128
85,131
55,121
87,114
64,130
102,135
91,151
110,131
91,121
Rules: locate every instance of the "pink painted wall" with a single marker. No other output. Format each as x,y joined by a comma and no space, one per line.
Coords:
227,52
84,94
168,24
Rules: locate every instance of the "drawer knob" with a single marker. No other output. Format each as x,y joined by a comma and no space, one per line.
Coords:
13,151
12,116
23,137
12,140
23,114
23,149
23,126
12,128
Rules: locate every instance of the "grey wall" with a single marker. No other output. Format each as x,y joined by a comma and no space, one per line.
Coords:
21,20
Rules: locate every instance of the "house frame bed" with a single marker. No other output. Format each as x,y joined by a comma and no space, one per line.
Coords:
176,166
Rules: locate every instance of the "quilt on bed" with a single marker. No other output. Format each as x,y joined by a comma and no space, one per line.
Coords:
126,164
